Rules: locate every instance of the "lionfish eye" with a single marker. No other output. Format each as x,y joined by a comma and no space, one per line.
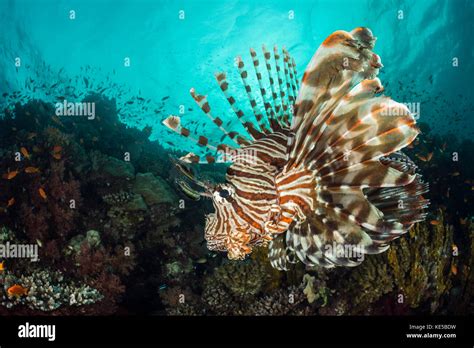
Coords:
224,193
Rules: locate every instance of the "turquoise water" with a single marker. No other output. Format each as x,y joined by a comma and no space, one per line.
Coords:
169,54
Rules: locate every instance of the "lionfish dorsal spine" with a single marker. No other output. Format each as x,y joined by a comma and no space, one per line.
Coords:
249,127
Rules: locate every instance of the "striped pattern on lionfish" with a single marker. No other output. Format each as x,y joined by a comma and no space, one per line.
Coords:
321,169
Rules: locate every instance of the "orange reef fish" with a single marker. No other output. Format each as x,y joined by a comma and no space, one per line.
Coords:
42,193
11,201
2,266
426,158
17,291
321,168
434,222
10,175
31,170
57,152
24,152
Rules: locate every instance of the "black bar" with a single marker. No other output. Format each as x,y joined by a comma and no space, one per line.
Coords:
241,330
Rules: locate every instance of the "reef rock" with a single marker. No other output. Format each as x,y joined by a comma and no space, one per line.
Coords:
111,166
153,189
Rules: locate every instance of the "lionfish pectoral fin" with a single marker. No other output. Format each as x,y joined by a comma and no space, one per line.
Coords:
327,82
345,133
278,254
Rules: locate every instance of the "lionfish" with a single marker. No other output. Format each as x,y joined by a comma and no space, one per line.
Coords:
321,169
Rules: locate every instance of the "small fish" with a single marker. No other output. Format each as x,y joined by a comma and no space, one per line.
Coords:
31,170
10,175
11,201
434,222
57,149
426,158
25,152
17,291
2,266
454,269
164,98
187,172
42,193
462,221
36,149
57,152
188,191
31,136
201,260
56,120
455,174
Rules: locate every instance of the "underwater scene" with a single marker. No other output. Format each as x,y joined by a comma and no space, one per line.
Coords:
236,158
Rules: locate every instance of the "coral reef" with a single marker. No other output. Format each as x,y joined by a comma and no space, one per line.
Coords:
72,193
286,301
422,273
417,272
46,291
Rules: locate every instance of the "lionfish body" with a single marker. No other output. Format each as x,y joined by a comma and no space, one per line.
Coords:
322,169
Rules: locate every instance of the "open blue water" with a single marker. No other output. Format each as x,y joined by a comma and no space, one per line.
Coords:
170,54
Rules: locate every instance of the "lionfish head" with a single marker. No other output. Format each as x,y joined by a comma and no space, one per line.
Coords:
225,230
